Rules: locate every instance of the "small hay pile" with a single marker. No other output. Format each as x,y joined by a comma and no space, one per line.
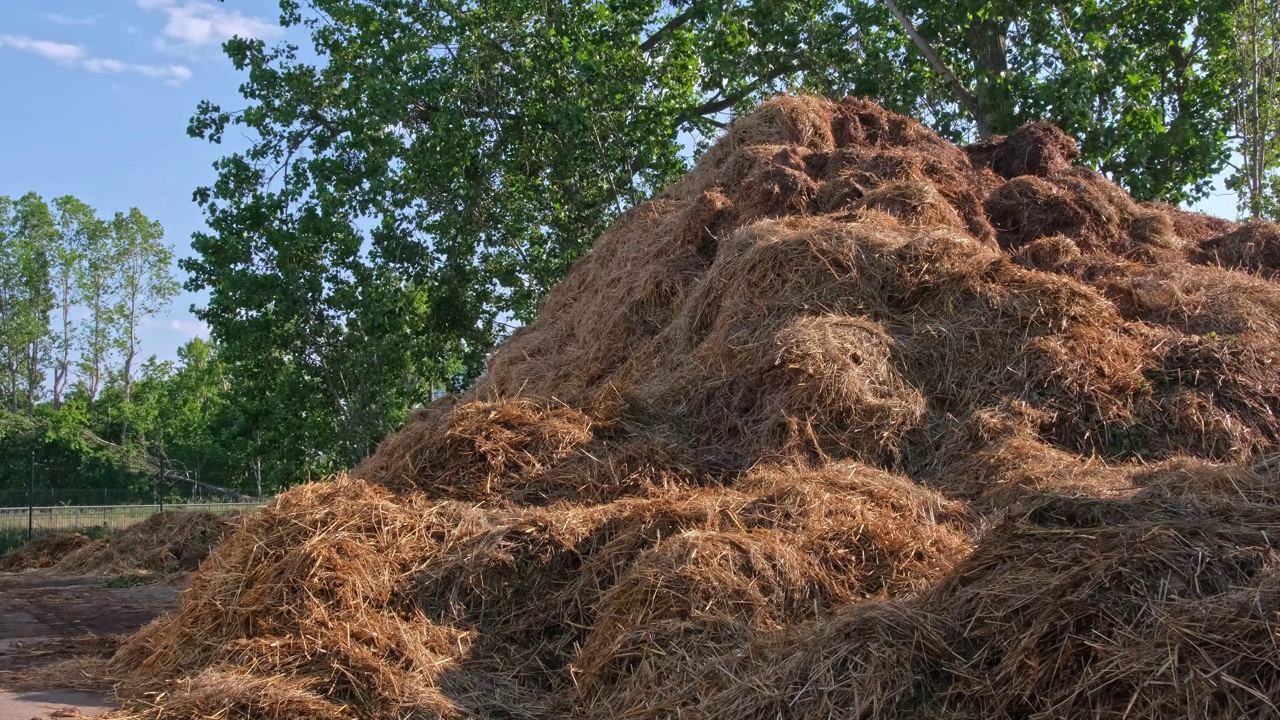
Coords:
166,542
42,552
848,423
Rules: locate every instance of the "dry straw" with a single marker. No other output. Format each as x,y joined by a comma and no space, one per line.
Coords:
848,423
167,542
42,552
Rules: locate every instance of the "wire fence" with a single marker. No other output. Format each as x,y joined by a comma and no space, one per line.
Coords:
66,518
22,496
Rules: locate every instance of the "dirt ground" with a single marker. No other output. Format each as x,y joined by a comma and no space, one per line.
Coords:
44,619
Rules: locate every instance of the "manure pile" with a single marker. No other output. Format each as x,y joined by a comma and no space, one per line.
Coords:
42,552
848,423
166,542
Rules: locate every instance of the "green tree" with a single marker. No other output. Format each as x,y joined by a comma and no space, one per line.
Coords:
1135,80
97,439
191,398
97,282
146,283
78,230
1256,178
26,236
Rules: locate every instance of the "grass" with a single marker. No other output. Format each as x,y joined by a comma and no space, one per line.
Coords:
129,580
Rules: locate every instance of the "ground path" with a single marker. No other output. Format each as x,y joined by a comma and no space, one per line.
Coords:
38,610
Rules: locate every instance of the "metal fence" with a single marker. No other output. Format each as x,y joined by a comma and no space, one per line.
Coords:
11,496
61,518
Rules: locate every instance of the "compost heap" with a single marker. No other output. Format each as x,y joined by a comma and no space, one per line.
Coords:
848,423
42,552
166,542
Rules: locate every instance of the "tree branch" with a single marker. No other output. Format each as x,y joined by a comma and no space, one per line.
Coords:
712,107
661,33
965,97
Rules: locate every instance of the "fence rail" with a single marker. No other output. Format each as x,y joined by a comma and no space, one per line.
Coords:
62,518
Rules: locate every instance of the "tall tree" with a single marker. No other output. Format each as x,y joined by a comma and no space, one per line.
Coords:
97,281
11,271
195,397
1257,109
36,227
145,284
26,235
78,229
1135,80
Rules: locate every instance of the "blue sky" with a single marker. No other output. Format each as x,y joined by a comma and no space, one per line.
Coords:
98,94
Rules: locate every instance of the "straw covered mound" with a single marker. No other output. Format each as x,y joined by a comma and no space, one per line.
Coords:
848,423
166,542
42,552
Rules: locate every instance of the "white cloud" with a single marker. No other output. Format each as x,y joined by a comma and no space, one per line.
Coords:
175,74
190,328
73,19
195,24
104,65
62,53
78,56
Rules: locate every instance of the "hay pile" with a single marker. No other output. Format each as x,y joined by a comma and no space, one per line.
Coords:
42,552
848,423
166,542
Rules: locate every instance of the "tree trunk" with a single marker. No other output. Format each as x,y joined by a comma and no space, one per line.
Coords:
988,47
33,374
965,98
133,342
96,347
62,370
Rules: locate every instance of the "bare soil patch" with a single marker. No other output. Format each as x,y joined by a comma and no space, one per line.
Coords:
52,627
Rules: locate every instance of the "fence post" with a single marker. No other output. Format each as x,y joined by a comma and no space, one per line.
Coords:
31,499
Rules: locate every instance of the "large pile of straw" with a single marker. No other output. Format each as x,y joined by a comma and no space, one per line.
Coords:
848,423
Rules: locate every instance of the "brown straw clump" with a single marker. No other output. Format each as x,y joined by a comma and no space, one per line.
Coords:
166,542
1254,247
1068,608
42,552
357,598
848,423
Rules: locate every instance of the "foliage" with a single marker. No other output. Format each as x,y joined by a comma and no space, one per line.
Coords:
1256,59
26,236
1134,80
53,452
73,292
146,281
179,419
